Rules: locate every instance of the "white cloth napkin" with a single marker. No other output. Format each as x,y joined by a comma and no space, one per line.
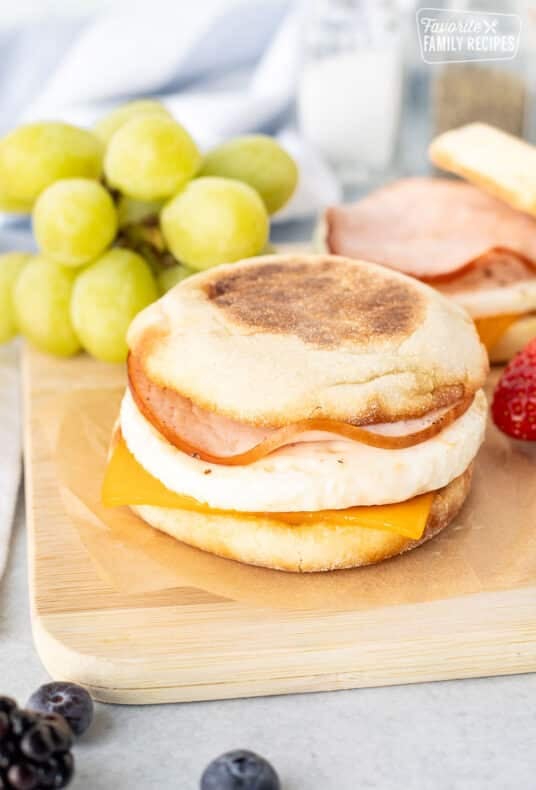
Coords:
222,67
10,433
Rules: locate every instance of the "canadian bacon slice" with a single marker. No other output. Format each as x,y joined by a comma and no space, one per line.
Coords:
172,415
431,228
497,267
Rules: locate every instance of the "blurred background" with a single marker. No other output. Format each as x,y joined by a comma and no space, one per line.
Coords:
341,83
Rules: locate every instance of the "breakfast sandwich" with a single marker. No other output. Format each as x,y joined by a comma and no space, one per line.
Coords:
465,242
303,413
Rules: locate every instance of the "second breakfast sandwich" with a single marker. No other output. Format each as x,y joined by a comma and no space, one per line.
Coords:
303,413
475,242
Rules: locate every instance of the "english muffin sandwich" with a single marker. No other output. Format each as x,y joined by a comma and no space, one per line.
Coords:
303,413
469,245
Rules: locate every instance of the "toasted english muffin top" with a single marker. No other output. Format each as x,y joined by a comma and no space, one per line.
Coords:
276,339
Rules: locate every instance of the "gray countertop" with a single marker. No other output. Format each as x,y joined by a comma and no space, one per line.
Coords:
456,735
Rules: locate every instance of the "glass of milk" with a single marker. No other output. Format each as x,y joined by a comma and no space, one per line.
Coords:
350,85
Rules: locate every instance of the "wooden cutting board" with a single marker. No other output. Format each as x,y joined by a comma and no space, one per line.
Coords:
192,643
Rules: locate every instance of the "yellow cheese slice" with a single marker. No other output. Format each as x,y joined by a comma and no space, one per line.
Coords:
491,329
127,483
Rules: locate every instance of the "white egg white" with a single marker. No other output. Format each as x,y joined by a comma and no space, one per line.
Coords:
518,297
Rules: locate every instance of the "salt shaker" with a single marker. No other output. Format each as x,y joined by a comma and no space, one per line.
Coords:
493,90
350,85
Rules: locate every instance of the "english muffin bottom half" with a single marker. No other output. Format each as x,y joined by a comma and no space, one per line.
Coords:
303,413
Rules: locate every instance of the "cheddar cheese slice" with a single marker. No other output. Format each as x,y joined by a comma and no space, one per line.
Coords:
126,482
491,329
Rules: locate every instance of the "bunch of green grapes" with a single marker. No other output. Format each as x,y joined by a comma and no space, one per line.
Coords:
121,214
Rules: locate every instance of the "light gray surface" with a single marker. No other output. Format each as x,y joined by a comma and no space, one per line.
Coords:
458,735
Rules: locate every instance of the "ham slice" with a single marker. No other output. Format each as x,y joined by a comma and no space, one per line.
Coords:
217,439
497,268
434,229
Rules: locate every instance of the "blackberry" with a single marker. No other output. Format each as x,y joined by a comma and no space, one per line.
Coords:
34,749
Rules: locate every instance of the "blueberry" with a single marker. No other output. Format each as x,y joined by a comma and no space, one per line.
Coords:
239,770
69,700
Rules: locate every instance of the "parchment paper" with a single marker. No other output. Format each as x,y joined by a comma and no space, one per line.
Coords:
490,546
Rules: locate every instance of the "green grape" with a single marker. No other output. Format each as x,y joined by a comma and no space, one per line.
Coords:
112,121
215,220
34,156
131,211
41,300
151,157
106,297
171,276
11,265
74,220
12,206
259,161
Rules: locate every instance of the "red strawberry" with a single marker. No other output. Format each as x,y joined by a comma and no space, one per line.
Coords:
514,400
